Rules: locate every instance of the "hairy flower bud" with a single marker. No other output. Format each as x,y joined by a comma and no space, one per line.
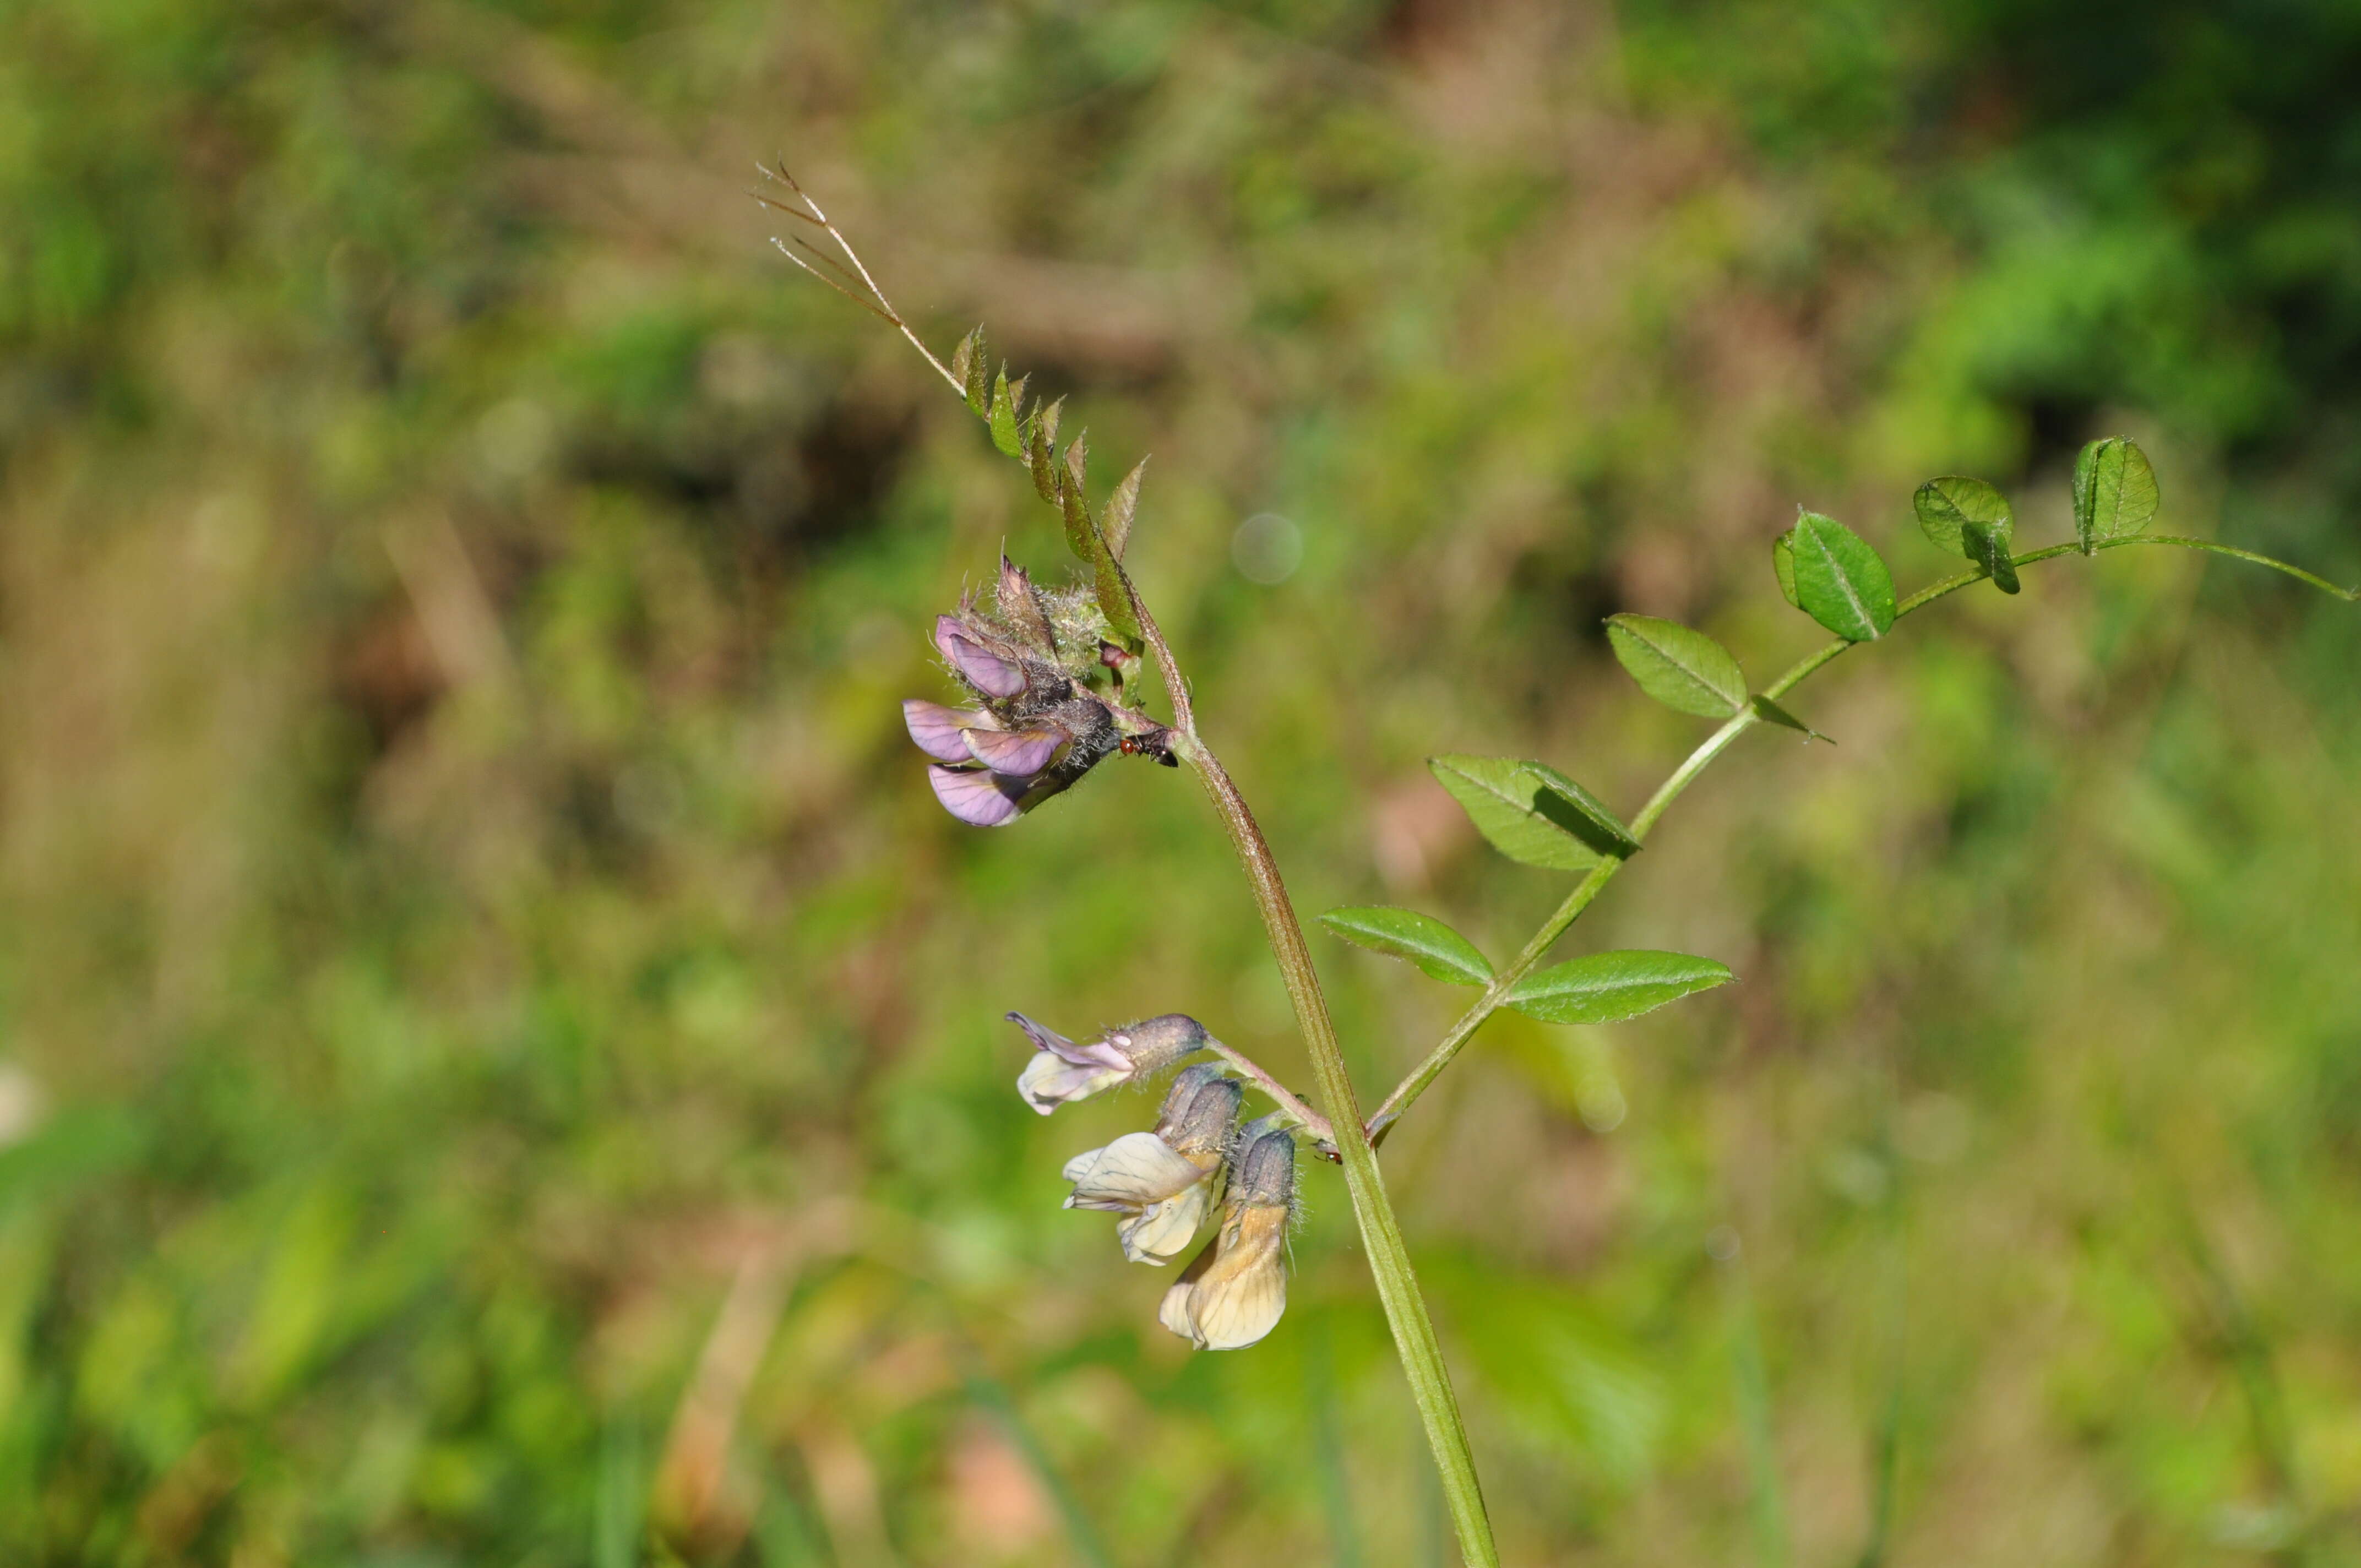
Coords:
1233,1291
1062,1070
1167,1180
1029,658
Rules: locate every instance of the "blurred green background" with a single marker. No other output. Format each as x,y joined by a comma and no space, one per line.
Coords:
499,1051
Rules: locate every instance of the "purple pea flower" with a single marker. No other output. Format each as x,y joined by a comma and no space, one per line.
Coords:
1037,726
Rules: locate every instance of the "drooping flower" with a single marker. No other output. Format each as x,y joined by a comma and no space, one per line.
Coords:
1029,658
1167,1180
1062,1070
1233,1291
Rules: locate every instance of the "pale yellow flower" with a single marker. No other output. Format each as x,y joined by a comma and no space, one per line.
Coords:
1233,1293
1167,1180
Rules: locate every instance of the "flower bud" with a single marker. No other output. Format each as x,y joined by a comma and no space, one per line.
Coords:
1234,1291
1062,1070
1167,1180
1030,661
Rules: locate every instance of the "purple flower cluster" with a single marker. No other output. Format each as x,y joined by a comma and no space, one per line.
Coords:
1038,725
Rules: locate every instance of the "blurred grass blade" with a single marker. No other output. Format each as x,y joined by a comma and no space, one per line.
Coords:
618,1514
1838,579
1080,1533
1885,1455
1425,941
1751,1382
1534,814
1328,1445
1606,987
1679,666
784,1536
2115,493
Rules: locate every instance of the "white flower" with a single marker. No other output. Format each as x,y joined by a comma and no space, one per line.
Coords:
1233,1293
1166,1181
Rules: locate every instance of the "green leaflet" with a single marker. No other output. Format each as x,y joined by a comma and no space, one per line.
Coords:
1771,713
1114,602
1968,517
1605,988
1081,538
1115,523
1838,579
964,358
1041,450
1783,564
1425,941
1678,666
972,363
1949,506
1534,814
1004,434
2115,491
1089,545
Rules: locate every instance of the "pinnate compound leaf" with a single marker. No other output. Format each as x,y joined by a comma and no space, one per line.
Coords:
1771,713
1534,814
1425,941
1678,666
1839,581
1606,987
2115,491
1115,522
1004,434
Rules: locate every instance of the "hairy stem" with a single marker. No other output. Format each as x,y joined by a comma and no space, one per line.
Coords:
1288,1101
1421,1077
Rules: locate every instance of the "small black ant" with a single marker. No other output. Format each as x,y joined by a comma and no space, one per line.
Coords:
1147,746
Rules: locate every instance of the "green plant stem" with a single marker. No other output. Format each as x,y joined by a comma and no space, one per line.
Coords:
1421,1077
1485,1005
1405,1306
1284,1098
